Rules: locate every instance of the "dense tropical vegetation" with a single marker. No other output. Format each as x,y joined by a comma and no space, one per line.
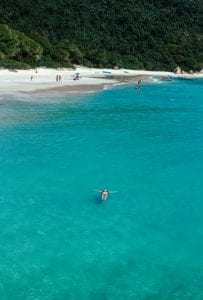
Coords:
16,49
150,34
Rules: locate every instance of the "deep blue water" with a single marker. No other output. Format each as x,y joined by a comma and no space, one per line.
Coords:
57,240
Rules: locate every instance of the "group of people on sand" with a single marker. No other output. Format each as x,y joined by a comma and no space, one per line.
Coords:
58,78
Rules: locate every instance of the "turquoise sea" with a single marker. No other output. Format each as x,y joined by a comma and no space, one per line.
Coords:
57,240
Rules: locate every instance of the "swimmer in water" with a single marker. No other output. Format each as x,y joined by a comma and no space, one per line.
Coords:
104,194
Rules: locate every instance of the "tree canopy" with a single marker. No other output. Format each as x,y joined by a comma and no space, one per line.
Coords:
16,48
150,34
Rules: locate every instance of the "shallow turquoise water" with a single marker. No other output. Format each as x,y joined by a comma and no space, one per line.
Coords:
57,240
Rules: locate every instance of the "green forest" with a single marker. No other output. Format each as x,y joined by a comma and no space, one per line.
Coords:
136,34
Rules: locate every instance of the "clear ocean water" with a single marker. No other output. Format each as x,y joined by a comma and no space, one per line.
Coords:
57,240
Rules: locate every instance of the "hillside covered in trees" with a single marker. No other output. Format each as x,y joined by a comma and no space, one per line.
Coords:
139,34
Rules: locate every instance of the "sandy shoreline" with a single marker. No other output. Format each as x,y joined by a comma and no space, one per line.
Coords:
43,80
67,89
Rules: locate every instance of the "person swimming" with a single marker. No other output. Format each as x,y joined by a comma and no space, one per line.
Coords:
104,194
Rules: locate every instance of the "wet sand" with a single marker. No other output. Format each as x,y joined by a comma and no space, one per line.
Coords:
72,89
81,88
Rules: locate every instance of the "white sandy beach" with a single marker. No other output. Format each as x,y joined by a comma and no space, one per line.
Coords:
91,79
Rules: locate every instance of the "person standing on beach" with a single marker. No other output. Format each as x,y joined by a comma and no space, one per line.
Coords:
57,78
